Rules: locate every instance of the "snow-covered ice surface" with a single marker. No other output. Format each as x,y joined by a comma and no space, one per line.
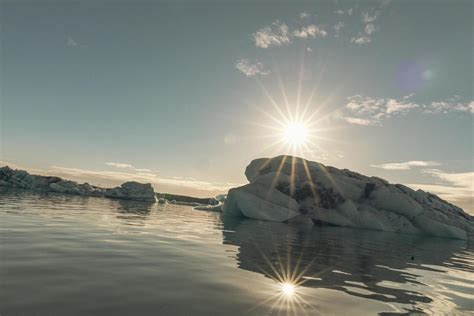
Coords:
288,188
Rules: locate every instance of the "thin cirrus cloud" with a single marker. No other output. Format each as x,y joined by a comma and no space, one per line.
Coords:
125,166
251,69
457,188
180,185
463,179
407,165
358,121
114,177
10,165
367,111
454,187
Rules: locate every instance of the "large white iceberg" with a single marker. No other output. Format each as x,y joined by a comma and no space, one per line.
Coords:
288,188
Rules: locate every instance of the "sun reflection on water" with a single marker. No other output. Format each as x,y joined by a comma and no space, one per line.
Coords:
290,299
288,274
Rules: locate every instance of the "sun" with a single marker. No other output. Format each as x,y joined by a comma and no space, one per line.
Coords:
295,134
294,127
287,289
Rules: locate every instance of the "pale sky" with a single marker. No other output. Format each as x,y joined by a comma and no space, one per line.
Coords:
184,94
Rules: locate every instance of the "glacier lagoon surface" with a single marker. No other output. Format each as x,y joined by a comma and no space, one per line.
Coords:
71,255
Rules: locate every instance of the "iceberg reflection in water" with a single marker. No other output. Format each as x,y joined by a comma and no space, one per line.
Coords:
397,269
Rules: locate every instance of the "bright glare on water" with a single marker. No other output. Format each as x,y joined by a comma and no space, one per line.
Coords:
67,255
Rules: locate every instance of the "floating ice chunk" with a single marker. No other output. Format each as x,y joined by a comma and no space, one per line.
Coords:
284,187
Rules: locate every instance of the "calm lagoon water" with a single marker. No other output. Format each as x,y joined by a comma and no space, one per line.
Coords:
67,255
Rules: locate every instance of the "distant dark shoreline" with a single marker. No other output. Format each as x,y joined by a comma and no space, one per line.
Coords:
21,179
184,198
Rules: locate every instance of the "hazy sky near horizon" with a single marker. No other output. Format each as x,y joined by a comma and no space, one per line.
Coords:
179,93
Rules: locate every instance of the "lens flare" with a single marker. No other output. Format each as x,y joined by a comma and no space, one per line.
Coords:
295,133
288,289
298,122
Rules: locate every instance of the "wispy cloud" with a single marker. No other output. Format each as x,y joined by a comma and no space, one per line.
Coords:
453,104
372,111
406,165
368,27
73,43
361,39
304,15
369,18
276,34
310,31
9,164
98,175
280,34
251,69
454,187
342,12
125,166
397,106
457,188
338,28
462,180
358,121
118,165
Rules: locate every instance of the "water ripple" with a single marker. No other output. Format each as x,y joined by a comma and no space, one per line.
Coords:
93,255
